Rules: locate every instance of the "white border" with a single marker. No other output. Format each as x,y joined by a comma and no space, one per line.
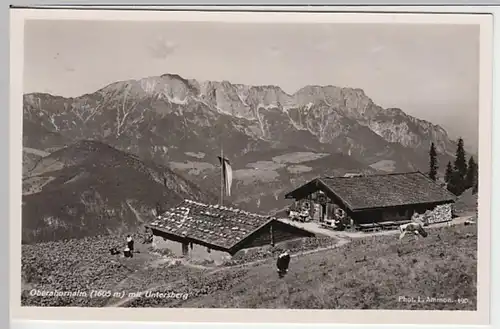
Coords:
256,316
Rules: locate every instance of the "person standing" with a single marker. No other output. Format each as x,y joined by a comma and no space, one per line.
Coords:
130,243
282,263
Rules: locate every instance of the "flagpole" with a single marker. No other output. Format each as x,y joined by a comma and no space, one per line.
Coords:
221,175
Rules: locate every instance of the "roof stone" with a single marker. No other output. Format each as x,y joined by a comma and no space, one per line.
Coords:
214,224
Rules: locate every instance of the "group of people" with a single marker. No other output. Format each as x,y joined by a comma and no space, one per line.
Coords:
300,212
129,249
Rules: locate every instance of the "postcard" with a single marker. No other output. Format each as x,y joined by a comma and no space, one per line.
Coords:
250,166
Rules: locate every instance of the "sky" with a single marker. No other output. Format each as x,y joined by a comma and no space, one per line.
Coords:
429,71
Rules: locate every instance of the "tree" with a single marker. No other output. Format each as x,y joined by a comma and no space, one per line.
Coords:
460,161
433,164
471,179
449,173
457,184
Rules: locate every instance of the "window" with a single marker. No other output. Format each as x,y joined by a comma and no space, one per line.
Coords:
402,212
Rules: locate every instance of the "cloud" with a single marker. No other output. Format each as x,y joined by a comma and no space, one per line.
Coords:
274,51
325,46
161,48
377,49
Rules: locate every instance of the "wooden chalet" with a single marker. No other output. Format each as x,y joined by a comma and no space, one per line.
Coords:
378,200
221,229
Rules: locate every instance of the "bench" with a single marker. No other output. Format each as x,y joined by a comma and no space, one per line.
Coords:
387,225
393,224
327,226
369,227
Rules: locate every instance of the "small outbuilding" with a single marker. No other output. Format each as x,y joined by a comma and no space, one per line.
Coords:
215,233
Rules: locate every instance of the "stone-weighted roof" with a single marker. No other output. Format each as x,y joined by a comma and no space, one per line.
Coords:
214,225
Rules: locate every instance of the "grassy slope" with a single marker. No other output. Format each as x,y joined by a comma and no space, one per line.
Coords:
85,264
371,272
442,265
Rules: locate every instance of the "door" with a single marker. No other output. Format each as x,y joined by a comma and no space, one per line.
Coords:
323,213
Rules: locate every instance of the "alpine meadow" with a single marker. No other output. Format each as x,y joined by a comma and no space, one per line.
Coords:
243,165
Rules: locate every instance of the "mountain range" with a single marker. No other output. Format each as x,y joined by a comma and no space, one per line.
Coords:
274,140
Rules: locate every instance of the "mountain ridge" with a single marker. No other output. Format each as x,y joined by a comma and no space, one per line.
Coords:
298,92
178,90
167,118
90,188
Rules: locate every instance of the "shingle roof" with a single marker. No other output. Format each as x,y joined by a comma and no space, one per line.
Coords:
213,224
378,191
387,190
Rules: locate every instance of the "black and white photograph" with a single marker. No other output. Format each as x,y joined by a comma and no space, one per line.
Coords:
320,164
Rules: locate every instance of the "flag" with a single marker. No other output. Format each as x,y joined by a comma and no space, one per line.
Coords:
227,174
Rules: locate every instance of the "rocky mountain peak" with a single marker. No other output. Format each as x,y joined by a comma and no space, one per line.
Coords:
329,113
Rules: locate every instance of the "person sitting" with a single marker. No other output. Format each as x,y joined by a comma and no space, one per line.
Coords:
130,243
127,253
148,238
412,228
282,263
114,251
